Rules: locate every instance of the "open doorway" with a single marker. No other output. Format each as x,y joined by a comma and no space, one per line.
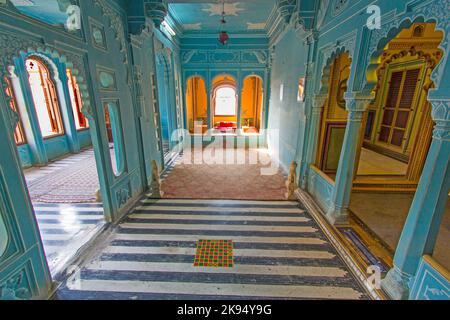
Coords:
333,116
55,148
163,91
396,137
196,105
224,105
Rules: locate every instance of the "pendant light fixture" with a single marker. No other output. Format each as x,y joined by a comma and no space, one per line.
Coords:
223,35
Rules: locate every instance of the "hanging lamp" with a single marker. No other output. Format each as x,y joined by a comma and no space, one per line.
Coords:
223,35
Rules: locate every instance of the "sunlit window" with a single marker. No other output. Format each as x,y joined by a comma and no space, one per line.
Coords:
225,102
19,136
45,98
75,98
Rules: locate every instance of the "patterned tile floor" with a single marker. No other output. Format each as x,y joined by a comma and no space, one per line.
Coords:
72,179
214,253
279,252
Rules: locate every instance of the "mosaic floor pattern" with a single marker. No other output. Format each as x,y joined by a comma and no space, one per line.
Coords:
279,252
214,253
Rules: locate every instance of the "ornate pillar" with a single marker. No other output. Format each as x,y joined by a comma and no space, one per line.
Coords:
66,111
208,104
314,120
239,107
421,228
337,213
34,136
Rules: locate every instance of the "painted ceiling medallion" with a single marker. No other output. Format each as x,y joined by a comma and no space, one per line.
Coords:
216,9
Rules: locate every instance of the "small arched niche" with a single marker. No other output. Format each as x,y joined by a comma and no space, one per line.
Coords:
196,105
224,103
252,102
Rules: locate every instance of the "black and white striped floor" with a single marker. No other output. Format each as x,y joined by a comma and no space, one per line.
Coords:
65,228
279,253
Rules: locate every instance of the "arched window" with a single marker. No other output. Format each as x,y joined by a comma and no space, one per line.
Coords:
45,98
19,136
225,101
75,98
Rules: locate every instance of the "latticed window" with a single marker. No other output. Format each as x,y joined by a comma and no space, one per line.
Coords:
75,98
19,136
399,106
45,98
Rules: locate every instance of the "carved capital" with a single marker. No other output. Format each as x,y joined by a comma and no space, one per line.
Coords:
440,113
156,10
286,9
318,103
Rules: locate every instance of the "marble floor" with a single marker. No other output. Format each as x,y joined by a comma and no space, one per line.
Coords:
279,252
65,229
69,218
385,215
374,163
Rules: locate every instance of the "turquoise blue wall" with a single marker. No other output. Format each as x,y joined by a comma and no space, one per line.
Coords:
288,66
341,26
105,74
117,66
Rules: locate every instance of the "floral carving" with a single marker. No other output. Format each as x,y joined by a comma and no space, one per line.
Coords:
13,288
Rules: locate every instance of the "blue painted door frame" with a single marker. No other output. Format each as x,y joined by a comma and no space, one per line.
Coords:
24,272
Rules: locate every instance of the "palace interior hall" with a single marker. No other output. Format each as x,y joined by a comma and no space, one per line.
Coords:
224,150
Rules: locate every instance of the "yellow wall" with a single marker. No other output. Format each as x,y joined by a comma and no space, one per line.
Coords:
252,101
196,102
334,113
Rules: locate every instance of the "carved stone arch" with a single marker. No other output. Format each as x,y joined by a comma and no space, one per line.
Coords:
431,61
163,58
328,59
434,12
191,76
14,47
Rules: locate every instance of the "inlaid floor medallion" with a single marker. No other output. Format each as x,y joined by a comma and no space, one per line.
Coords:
214,253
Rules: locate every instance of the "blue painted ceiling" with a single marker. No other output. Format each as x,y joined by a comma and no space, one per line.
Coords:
49,11
203,17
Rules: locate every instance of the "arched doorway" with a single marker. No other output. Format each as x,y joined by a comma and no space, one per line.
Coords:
333,116
252,102
65,189
396,137
167,102
196,105
224,105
